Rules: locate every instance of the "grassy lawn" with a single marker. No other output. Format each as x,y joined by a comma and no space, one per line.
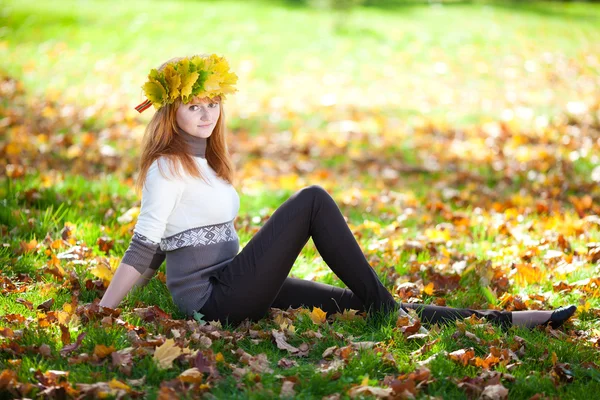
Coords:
89,202
461,142
458,62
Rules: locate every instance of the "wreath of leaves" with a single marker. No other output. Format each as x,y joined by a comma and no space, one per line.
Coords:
208,76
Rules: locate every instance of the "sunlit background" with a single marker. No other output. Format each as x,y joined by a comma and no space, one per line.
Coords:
312,72
461,139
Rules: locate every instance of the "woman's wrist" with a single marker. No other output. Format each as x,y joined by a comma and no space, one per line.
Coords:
120,285
145,278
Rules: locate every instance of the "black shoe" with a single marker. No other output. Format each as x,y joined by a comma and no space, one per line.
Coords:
560,315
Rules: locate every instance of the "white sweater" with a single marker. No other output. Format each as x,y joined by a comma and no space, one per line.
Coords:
172,206
188,222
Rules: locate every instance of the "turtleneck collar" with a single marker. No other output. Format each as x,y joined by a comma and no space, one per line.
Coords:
197,144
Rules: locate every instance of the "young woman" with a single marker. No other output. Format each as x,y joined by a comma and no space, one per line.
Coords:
189,205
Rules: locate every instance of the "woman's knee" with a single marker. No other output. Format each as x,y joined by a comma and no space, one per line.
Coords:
308,195
313,191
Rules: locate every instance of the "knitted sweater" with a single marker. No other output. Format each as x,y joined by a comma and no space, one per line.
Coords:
188,222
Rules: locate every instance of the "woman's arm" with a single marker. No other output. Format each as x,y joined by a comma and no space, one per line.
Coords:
145,278
121,283
127,276
143,256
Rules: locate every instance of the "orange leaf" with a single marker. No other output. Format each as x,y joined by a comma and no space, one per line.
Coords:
428,290
102,351
318,316
462,356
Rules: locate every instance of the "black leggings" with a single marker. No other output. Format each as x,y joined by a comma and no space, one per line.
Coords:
257,278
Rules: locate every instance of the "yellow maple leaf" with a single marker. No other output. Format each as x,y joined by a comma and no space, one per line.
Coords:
13,149
527,273
288,326
212,82
348,315
102,271
279,319
318,316
199,62
373,225
28,246
103,351
115,384
155,92
173,81
438,234
55,262
187,79
63,317
288,181
68,308
584,307
166,353
365,381
46,288
428,290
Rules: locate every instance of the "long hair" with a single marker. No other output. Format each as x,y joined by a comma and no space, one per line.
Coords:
162,139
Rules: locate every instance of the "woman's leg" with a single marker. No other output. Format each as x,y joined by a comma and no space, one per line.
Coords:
445,315
250,284
257,278
304,293
297,292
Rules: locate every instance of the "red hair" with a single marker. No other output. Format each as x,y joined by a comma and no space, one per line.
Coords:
161,139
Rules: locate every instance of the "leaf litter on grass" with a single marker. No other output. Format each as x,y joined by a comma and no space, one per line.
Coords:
512,211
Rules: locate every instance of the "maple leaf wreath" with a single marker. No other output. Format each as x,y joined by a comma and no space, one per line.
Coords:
198,76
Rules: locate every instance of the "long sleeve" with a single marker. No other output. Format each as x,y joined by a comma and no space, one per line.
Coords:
160,196
142,253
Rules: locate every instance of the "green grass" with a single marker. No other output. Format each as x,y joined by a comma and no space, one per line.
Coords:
311,384
285,53
76,51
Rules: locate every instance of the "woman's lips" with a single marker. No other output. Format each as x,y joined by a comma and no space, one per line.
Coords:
205,124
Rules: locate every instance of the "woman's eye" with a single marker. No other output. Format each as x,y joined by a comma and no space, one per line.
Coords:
211,105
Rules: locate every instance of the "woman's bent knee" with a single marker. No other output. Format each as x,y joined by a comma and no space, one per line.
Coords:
314,190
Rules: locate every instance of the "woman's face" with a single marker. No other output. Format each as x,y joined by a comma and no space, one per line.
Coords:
199,117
